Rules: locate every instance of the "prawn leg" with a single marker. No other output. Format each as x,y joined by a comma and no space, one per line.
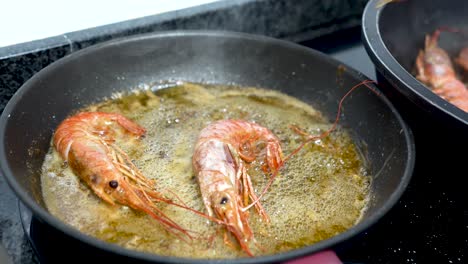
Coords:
244,183
249,191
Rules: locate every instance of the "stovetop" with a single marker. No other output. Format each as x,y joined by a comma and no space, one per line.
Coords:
428,225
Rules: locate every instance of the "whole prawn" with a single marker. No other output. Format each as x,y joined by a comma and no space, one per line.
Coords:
222,154
221,158
85,142
435,69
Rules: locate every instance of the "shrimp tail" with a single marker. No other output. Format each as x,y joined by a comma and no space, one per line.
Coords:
130,126
431,42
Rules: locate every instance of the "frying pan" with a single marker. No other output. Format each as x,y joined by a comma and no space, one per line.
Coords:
394,34
87,76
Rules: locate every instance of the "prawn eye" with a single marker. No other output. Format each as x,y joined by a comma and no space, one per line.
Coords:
224,200
114,184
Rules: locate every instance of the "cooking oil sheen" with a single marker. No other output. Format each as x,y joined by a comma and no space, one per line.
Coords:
321,191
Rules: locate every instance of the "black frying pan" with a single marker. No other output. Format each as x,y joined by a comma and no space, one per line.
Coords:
29,119
394,34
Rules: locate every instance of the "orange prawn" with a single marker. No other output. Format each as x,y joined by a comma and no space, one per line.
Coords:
222,155
223,152
435,69
85,142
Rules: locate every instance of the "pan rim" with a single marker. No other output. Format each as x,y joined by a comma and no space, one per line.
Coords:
44,215
390,68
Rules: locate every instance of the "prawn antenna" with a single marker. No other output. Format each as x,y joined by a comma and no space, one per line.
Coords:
311,138
459,31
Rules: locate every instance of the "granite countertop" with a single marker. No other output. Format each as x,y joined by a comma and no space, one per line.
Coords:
296,20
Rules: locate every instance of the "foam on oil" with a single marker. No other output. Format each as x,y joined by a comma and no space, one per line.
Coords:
321,191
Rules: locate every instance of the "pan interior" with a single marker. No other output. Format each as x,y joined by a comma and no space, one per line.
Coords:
322,191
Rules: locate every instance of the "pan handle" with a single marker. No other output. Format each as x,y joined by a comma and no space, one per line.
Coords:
324,257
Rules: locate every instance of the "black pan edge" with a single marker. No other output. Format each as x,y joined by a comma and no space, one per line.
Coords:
329,243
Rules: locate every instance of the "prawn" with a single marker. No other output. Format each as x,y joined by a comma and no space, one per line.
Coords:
435,69
462,59
223,152
222,155
85,142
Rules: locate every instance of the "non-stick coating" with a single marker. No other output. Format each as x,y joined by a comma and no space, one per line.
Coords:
393,36
89,75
